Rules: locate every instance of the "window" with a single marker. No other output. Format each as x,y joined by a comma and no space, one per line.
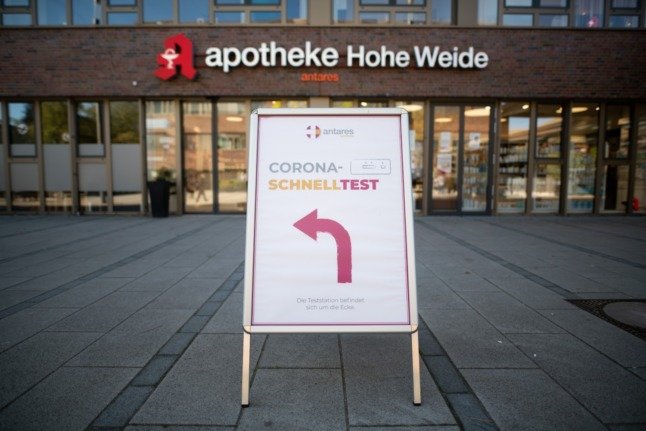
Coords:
623,21
88,123
229,17
512,169
56,156
158,11
517,20
518,3
54,123
16,3
549,124
553,20
537,3
122,18
264,17
487,12
588,13
410,18
343,11
124,122
83,12
297,11
193,11
625,4
22,133
617,132
441,12
17,19
122,2
582,158
374,17
52,12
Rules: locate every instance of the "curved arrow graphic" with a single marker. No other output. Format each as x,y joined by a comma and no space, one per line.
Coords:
310,225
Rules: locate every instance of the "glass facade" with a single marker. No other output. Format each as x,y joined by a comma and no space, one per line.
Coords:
552,158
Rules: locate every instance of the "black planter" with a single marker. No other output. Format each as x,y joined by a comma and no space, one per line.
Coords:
159,191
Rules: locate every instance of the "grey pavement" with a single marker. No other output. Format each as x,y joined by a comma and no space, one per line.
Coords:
135,323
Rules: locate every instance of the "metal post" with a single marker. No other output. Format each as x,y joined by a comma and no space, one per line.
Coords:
246,353
417,387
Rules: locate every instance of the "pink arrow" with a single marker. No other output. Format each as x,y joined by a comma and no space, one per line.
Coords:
310,225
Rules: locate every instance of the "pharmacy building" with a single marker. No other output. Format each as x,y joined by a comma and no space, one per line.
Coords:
515,106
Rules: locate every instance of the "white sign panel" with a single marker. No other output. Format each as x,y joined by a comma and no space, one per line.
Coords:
329,224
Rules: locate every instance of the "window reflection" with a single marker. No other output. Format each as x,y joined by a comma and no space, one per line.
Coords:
232,156
584,138
343,11
476,158
416,114
441,12
547,188
446,126
22,133
588,13
549,123
52,12
56,156
161,143
198,156
193,11
487,12
640,169
617,132
512,169
158,11
297,11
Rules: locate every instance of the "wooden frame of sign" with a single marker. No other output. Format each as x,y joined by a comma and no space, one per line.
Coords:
330,245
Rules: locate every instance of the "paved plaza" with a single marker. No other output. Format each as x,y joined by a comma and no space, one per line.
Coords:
136,323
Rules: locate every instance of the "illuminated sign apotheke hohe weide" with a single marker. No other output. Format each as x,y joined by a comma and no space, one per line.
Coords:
273,55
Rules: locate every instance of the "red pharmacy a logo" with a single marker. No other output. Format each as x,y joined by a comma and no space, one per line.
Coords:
176,58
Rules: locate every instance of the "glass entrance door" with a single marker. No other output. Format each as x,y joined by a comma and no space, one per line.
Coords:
460,163
198,157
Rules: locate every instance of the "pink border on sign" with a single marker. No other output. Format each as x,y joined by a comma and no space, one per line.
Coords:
255,224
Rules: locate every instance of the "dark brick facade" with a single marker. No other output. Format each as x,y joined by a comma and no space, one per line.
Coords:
524,63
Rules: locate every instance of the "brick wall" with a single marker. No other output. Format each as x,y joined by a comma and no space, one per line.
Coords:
528,63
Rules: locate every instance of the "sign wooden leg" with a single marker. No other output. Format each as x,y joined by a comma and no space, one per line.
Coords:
246,354
417,388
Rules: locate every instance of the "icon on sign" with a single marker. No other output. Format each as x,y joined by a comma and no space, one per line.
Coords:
313,132
370,166
311,225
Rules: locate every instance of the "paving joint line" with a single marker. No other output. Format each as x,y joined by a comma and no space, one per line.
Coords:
95,274
466,417
123,407
54,247
10,235
502,262
572,246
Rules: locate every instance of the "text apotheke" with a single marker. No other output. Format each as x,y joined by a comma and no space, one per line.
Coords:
272,55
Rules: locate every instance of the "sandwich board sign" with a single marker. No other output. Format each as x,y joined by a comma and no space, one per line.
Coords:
329,244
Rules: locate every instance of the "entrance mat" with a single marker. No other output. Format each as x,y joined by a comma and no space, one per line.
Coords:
596,307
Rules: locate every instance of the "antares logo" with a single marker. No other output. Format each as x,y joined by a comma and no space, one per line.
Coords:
313,132
342,133
176,58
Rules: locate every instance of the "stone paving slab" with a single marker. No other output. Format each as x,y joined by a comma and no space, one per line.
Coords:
203,388
379,384
66,400
528,400
25,323
29,362
134,341
472,342
301,351
295,400
593,379
613,342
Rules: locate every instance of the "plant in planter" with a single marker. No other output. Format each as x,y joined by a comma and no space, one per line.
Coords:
159,191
